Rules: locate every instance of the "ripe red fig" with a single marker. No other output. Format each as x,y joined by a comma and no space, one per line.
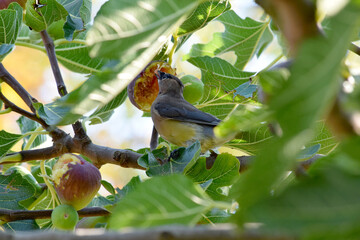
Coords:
76,180
143,90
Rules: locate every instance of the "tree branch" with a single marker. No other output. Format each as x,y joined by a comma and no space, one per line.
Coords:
17,87
295,18
355,49
99,155
32,116
50,49
7,215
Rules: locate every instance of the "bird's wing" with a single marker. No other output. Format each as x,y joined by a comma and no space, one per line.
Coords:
184,111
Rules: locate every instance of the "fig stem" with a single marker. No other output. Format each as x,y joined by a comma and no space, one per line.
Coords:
54,198
5,111
273,62
17,157
172,51
32,138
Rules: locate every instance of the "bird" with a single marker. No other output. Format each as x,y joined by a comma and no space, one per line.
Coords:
178,121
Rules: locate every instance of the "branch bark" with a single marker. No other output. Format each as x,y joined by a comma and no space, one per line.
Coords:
355,49
61,87
17,87
7,215
32,116
50,50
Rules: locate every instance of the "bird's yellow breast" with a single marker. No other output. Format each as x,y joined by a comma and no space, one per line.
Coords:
176,132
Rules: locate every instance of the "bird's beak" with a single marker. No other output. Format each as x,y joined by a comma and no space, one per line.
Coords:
157,74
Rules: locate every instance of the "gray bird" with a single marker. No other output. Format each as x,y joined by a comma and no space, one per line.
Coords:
178,121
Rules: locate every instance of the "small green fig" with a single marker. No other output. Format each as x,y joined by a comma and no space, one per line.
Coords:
64,217
193,88
76,181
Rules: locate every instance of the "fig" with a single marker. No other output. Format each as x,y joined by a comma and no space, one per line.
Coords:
193,88
143,90
76,181
5,3
64,217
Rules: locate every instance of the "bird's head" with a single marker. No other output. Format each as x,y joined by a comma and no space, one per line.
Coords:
169,83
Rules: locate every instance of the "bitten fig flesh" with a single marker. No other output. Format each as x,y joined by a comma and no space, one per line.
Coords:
143,90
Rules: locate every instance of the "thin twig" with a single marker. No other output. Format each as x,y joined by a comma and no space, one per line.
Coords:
32,116
50,49
355,49
99,155
7,215
17,87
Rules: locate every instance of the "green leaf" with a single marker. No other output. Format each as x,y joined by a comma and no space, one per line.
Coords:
100,201
204,13
245,118
300,103
162,200
251,141
72,55
219,78
28,125
108,186
125,28
74,21
246,89
216,216
184,159
243,36
22,225
323,136
103,114
40,19
44,201
223,173
10,23
75,57
129,187
272,81
16,185
324,205
53,114
114,35
7,141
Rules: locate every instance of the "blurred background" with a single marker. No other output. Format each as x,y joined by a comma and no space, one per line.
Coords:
126,128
